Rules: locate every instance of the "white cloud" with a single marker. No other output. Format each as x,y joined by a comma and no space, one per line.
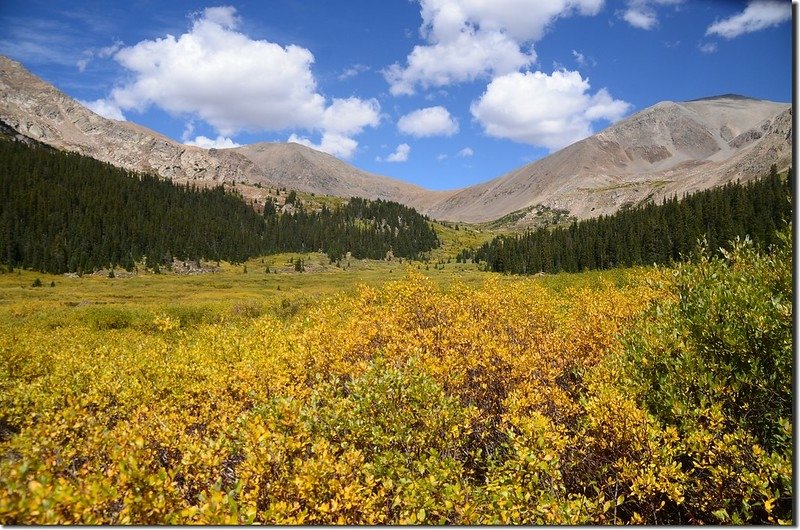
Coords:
640,18
707,47
466,58
350,116
342,119
544,110
352,71
468,39
220,142
331,143
235,83
104,108
582,60
642,14
758,15
90,54
466,152
108,51
440,157
225,16
400,154
430,121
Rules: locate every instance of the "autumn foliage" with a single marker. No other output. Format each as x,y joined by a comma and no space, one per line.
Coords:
509,403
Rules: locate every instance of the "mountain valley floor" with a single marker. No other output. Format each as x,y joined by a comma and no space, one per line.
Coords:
409,393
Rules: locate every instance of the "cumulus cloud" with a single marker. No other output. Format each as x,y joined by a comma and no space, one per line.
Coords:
104,108
552,111
468,39
466,152
758,15
400,154
235,83
331,143
220,142
342,119
640,18
466,58
430,121
642,14
350,116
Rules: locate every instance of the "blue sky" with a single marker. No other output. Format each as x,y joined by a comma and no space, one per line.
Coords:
441,93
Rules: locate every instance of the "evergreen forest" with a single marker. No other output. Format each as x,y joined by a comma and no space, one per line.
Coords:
366,229
651,234
64,212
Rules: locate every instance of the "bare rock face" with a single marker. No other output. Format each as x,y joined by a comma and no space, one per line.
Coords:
40,111
294,166
665,150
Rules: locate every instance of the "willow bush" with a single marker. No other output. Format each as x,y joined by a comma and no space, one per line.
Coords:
659,400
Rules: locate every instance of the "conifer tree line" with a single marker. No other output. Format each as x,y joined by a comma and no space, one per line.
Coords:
653,233
63,212
366,229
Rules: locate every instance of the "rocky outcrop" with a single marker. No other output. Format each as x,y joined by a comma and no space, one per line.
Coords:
667,149
297,167
42,112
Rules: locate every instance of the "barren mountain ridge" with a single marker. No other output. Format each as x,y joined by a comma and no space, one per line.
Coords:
667,149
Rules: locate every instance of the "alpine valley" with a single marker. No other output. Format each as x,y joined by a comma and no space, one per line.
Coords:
265,334
668,149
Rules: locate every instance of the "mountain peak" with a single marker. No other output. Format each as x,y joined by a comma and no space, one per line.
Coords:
725,96
667,149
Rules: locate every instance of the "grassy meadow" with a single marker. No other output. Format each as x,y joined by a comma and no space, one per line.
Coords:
401,393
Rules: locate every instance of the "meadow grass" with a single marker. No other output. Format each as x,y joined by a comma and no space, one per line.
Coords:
245,289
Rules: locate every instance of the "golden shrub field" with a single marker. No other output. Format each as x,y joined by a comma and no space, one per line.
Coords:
648,401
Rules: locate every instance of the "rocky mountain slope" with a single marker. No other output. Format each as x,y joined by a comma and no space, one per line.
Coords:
669,148
42,112
38,110
294,166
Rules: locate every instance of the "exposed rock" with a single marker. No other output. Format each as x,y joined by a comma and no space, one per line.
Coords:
667,149
40,111
294,166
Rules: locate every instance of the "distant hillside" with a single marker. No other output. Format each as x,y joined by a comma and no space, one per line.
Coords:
301,168
661,234
64,212
40,111
667,149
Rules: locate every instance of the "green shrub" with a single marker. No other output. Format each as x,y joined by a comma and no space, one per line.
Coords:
105,318
715,361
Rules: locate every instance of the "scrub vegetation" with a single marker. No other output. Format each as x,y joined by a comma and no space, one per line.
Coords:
400,393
